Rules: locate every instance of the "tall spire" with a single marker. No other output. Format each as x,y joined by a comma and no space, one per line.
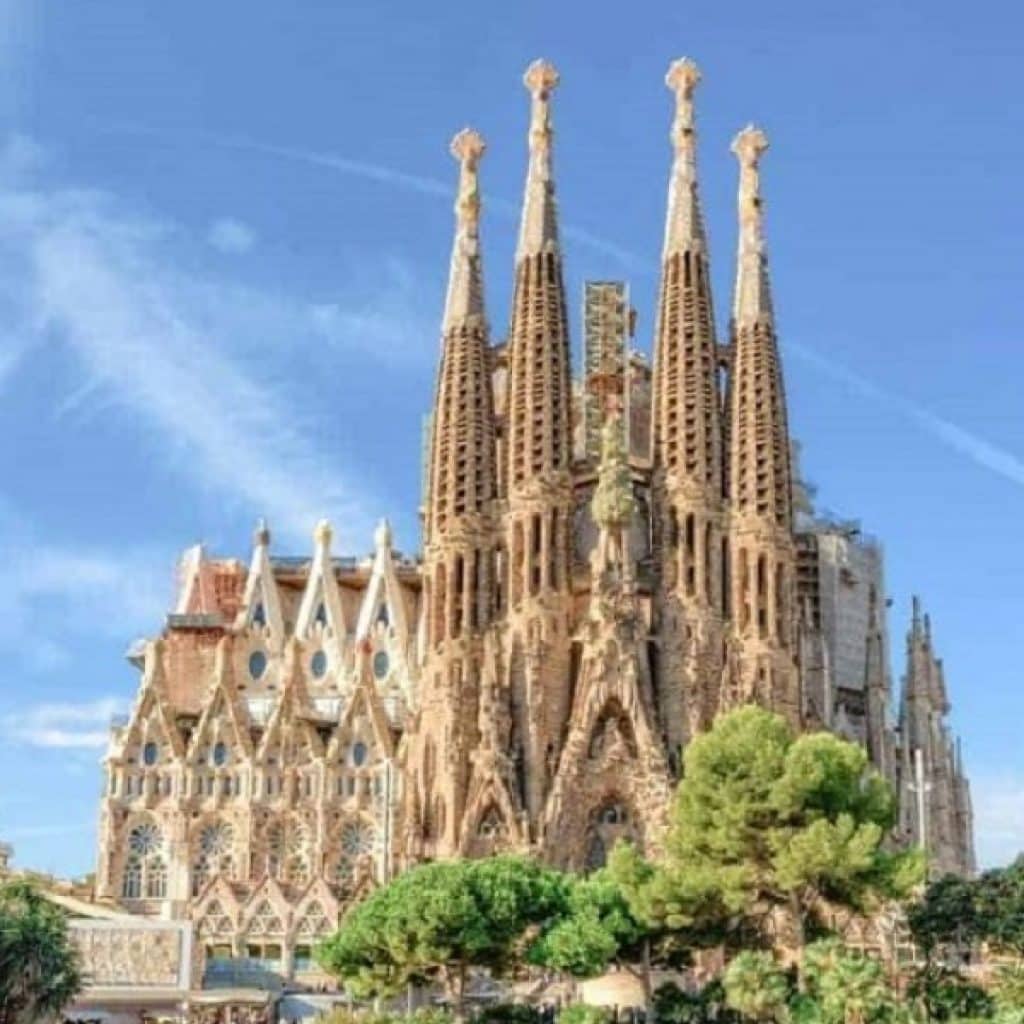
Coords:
465,279
753,300
462,464
684,225
539,431
759,467
538,231
687,420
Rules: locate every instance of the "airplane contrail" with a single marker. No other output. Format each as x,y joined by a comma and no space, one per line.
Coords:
977,449
425,186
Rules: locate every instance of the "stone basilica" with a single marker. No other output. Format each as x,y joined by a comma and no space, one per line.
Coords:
608,562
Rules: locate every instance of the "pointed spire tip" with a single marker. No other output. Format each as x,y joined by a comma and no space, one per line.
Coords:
750,144
683,76
261,538
541,77
467,146
323,532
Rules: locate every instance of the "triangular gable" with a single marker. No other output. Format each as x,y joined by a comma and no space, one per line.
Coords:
222,705
260,612
383,608
217,899
365,703
317,900
288,730
196,592
321,612
256,920
151,706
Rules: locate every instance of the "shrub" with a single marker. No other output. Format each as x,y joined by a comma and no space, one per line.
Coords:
581,1013
509,1013
946,996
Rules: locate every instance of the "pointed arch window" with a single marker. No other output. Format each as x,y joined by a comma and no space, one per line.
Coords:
257,664
491,824
215,921
318,664
314,922
259,615
265,920
356,842
383,616
381,664
145,871
214,855
320,618
219,755
150,753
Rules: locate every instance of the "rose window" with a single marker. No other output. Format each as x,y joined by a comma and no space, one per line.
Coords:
145,839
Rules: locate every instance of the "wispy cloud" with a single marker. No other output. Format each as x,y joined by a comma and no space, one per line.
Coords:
979,451
109,593
63,725
998,818
175,349
427,186
231,236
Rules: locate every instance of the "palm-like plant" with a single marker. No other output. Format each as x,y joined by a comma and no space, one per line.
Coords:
39,971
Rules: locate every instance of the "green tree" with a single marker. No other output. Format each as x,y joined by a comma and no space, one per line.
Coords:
756,986
39,971
945,995
614,916
767,822
437,921
1000,905
947,915
844,987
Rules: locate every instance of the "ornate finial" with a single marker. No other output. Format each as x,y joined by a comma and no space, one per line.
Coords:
538,229
684,227
468,147
322,533
749,144
261,538
682,78
753,295
465,286
541,77
613,503
382,536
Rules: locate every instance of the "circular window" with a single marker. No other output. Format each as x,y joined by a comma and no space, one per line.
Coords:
145,839
150,753
318,664
381,664
220,754
257,664
359,754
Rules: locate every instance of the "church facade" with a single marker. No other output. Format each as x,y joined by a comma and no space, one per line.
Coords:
607,564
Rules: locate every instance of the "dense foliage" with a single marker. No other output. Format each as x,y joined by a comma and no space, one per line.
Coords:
38,967
769,832
437,921
766,821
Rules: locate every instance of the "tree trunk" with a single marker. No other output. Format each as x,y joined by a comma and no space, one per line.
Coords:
799,937
455,985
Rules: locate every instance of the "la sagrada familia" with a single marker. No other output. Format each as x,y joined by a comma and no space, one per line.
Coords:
608,562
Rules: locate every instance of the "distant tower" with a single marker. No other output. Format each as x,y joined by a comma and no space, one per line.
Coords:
762,666
538,487
687,435
459,537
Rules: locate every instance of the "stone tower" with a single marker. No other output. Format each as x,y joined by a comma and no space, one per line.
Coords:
460,535
538,488
761,657
687,430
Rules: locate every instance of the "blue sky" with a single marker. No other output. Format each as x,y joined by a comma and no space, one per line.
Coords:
224,231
